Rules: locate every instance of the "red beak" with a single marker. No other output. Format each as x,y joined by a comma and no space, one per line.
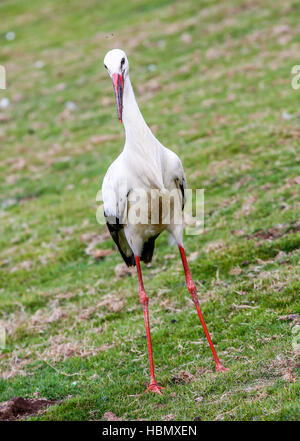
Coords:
118,83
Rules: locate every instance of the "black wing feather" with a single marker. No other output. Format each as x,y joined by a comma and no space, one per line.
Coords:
117,233
180,183
182,191
148,249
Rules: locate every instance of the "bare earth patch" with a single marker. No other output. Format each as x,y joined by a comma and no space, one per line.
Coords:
18,407
110,416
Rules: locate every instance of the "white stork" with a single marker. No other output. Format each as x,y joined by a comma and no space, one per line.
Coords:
144,164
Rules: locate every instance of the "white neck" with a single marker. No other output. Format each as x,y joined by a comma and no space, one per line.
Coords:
141,146
136,130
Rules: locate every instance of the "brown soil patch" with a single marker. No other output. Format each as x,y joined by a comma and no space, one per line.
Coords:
183,377
18,407
110,416
271,233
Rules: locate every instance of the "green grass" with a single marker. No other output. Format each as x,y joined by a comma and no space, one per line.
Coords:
217,98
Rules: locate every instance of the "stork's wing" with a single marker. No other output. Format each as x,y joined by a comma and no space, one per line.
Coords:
114,195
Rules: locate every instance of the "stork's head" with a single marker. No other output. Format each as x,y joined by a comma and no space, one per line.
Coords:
116,63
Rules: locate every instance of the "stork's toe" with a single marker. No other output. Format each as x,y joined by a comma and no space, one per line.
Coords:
221,368
154,387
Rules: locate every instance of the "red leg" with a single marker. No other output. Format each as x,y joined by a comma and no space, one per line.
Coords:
153,386
193,291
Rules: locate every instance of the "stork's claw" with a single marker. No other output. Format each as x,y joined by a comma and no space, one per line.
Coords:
221,368
153,387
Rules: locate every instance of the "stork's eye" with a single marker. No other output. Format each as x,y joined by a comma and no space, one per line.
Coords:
105,66
122,61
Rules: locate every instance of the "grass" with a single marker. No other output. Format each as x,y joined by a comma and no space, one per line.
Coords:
213,81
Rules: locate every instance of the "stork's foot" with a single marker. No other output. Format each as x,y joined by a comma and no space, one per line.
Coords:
154,387
221,368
